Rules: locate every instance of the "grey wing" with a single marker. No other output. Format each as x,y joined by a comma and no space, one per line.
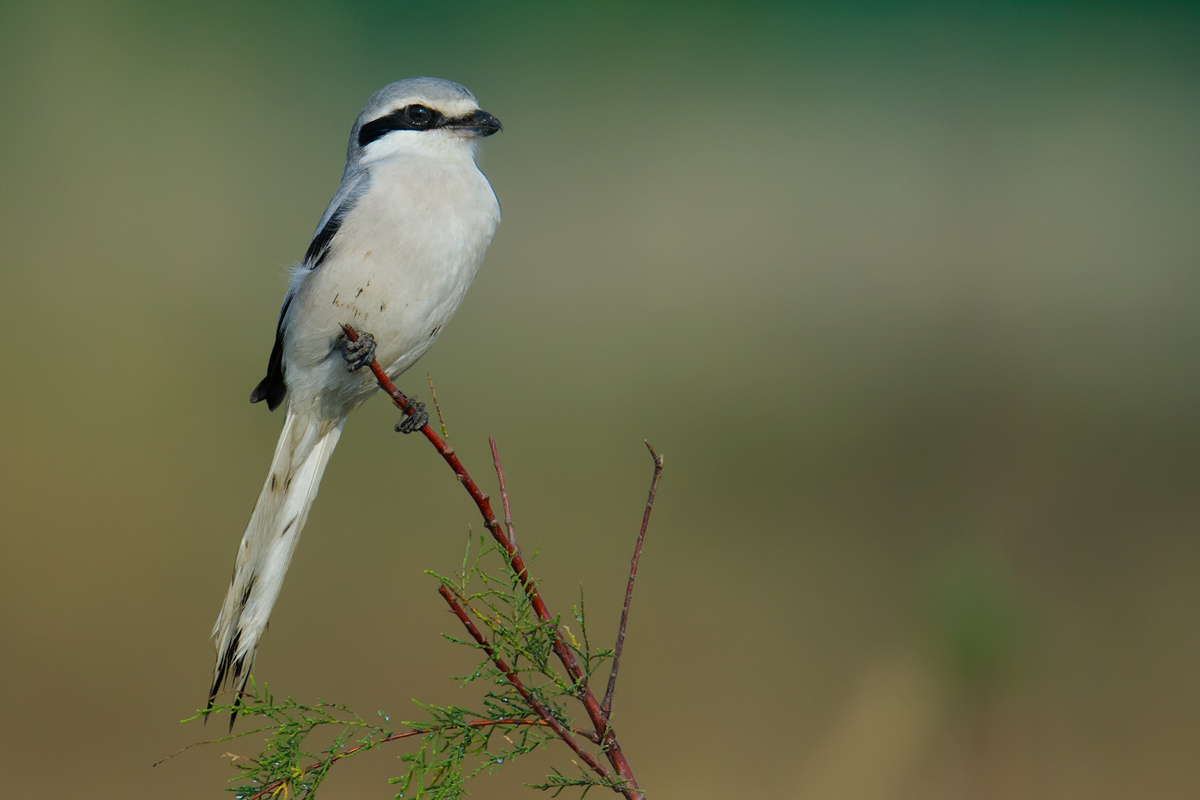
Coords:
273,388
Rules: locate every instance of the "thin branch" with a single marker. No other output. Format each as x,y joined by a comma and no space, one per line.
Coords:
559,729
438,407
611,747
606,706
508,523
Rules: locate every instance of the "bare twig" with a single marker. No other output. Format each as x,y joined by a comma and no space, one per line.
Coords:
610,746
508,523
438,407
606,706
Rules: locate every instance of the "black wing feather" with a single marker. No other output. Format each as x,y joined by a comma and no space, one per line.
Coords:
318,248
273,388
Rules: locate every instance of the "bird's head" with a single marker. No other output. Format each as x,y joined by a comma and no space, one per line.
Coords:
419,114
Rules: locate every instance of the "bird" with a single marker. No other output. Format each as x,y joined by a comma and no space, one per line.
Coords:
393,256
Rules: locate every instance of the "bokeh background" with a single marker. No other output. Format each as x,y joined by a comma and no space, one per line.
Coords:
908,296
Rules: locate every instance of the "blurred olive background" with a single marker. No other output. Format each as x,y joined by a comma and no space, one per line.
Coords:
908,298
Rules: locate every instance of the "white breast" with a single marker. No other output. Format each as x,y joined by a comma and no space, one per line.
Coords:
397,268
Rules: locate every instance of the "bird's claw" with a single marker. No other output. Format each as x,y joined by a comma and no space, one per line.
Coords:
415,421
357,354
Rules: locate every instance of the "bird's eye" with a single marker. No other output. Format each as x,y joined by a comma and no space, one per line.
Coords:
418,115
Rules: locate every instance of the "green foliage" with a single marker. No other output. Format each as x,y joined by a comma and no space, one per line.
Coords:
284,768
557,782
456,744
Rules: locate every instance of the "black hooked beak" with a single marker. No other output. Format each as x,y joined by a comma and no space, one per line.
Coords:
477,123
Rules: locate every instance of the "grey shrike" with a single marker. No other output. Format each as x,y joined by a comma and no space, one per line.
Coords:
393,255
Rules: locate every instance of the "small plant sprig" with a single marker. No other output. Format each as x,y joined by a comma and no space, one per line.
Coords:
285,768
533,663
284,759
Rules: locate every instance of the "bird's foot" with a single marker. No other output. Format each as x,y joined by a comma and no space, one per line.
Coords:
357,354
417,420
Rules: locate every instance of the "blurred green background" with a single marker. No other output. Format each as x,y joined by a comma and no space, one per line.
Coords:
907,296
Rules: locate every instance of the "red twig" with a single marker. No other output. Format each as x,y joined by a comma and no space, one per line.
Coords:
511,676
274,786
606,706
611,747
